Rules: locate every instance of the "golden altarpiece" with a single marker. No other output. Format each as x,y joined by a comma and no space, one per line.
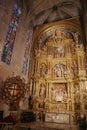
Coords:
57,73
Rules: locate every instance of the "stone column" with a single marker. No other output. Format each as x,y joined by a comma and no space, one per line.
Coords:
47,90
50,85
84,5
72,96
68,90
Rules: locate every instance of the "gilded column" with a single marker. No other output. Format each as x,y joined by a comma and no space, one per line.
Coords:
72,95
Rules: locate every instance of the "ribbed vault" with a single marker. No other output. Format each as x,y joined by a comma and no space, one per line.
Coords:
40,12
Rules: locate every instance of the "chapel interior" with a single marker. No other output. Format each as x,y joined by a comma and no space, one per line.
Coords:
43,63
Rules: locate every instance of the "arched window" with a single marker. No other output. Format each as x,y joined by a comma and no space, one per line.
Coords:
11,34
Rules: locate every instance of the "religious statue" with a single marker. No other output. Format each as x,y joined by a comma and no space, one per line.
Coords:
42,91
43,70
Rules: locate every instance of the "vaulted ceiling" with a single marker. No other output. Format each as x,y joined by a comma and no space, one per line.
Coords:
36,12
46,11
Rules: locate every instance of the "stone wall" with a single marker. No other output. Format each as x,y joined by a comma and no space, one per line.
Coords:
15,66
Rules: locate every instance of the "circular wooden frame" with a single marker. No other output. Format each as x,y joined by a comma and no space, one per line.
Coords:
13,89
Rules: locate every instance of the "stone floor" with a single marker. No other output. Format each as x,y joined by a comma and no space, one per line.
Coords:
44,126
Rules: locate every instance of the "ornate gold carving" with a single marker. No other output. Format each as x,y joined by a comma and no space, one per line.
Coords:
12,90
59,59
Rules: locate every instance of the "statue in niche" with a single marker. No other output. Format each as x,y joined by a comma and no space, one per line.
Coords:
37,52
59,70
70,106
69,40
75,68
73,47
58,37
77,37
77,99
63,34
55,39
42,91
58,52
44,50
76,88
43,70
58,93
77,93
59,49
47,106
62,52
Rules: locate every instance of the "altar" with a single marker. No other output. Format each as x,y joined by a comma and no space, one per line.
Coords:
58,118
57,74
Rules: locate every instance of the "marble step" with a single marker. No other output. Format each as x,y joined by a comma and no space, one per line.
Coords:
46,128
